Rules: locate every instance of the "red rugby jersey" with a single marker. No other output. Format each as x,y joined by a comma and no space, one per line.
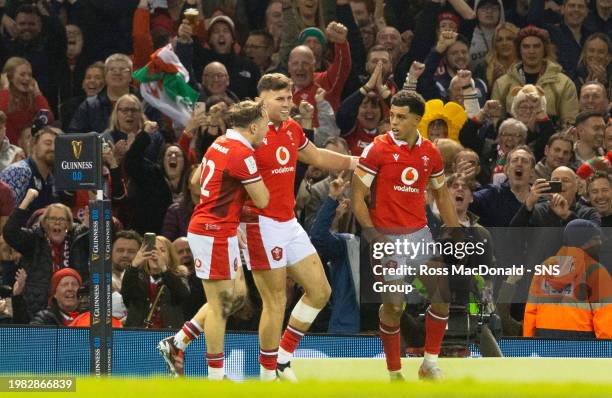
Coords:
401,175
277,160
228,165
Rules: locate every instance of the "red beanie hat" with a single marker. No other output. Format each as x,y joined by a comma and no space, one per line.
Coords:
59,275
449,16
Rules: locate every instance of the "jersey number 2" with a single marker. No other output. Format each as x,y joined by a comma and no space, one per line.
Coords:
204,180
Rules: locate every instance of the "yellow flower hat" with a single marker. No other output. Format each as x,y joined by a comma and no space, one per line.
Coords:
452,113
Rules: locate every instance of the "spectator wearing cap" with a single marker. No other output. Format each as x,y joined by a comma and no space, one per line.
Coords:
575,301
63,301
537,66
22,99
315,39
94,113
489,15
41,39
7,150
56,243
306,81
35,171
243,73
568,36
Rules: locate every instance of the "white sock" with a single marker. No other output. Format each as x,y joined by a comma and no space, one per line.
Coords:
216,373
430,360
283,356
266,374
182,338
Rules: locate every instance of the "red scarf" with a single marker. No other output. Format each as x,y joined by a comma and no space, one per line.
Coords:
60,254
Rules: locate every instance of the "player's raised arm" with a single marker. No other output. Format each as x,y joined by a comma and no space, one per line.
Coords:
259,193
326,159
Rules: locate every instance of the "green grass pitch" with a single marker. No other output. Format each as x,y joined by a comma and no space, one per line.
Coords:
477,377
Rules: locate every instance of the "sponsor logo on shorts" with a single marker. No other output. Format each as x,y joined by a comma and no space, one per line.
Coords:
277,253
198,263
235,264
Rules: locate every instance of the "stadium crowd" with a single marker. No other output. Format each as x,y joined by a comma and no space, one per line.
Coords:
518,94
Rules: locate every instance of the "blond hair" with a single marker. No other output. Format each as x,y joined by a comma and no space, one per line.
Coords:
114,120
492,58
62,207
16,99
174,262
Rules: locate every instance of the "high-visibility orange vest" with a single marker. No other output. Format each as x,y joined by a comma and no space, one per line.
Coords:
84,319
578,300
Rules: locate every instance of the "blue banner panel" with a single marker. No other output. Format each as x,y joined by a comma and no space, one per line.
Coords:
40,350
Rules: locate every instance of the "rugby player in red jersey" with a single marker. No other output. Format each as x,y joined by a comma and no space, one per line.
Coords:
395,170
277,246
228,175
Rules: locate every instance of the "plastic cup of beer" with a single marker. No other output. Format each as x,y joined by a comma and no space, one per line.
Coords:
192,15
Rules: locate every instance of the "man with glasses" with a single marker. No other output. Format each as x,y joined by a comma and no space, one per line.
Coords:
259,48
94,113
35,171
216,81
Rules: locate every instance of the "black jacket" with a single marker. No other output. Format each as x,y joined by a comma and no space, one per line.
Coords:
34,247
92,115
134,289
149,194
243,73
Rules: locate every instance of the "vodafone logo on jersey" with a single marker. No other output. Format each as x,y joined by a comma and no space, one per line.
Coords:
282,155
409,176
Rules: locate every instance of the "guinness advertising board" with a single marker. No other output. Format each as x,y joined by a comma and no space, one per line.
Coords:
78,162
100,303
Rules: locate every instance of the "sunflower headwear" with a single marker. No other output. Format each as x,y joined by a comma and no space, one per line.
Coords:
452,113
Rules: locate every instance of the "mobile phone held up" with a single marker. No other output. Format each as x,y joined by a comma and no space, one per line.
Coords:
149,241
555,187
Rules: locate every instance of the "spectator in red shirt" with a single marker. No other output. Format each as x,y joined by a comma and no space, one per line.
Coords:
22,99
306,81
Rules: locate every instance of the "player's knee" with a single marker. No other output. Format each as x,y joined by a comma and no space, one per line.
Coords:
320,296
394,310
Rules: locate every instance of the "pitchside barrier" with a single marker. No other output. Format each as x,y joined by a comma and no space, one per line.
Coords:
53,350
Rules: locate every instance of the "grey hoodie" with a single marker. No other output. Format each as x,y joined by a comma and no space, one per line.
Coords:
482,41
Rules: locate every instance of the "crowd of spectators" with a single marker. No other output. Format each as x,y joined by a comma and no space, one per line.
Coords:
518,93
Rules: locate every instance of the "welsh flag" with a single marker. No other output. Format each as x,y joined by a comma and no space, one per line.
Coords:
164,85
